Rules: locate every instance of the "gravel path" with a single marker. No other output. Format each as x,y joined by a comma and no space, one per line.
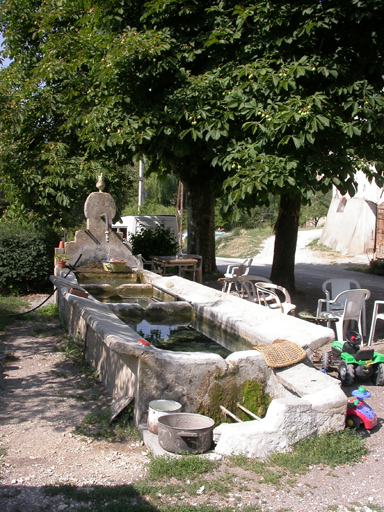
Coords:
44,397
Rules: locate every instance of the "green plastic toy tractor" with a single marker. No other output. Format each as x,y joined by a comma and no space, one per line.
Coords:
353,361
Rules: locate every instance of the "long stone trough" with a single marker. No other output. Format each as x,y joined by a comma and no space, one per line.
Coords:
304,400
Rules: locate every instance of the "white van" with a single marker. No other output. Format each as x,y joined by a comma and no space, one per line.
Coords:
132,224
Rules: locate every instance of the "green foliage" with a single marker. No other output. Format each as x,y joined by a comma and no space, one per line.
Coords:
150,208
26,258
161,189
150,242
246,217
256,97
317,208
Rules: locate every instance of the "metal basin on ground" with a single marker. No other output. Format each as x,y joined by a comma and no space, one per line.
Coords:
158,408
185,433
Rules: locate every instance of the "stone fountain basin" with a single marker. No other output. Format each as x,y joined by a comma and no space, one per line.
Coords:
305,401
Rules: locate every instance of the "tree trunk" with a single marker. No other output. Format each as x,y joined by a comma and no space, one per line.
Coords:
201,223
286,229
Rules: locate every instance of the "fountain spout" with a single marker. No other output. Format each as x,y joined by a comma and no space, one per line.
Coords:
107,230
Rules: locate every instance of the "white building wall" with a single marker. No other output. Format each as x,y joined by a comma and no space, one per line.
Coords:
351,222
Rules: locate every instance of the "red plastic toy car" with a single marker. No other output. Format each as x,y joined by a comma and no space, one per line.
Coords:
358,412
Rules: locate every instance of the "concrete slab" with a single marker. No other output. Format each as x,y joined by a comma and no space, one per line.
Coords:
303,380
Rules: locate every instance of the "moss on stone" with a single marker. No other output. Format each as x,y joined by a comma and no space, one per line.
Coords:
226,392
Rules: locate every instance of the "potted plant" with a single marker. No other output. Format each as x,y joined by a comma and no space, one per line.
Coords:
376,266
60,259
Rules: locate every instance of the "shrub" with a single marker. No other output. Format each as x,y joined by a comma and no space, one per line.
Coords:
150,242
26,258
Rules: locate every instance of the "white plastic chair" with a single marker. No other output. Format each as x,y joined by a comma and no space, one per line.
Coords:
235,271
275,297
353,301
333,287
246,286
375,316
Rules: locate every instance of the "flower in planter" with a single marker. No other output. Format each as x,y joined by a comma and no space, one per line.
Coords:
376,263
61,256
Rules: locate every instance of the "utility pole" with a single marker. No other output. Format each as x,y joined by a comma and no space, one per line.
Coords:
179,212
141,185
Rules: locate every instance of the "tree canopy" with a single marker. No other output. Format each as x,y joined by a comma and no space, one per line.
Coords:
282,98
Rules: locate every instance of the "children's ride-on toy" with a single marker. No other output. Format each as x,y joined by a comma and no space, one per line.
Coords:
358,412
354,361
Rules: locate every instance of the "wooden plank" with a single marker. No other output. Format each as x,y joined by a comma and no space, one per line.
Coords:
229,413
248,412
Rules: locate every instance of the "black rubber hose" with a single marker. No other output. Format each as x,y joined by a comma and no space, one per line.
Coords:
71,269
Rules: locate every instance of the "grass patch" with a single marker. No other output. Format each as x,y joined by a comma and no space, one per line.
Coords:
46,311
256,466
2,455
241,243
44,318
73,350
180,468
9,307
315,246
98,426
344,447
124,498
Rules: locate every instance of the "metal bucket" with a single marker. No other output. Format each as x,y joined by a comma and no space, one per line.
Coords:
185,433
157,408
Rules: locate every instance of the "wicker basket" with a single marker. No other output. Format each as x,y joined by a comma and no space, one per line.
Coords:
281,353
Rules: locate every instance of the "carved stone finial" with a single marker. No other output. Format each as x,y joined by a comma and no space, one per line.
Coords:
100,184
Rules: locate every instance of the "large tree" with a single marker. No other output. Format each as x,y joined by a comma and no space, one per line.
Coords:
309,88
120,74
275,97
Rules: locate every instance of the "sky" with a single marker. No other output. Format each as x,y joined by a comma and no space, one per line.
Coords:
6,61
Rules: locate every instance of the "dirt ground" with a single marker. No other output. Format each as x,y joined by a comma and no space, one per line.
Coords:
44,396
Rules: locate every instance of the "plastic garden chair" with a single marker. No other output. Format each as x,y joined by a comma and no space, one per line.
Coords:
246,286
275,297
375,316
352,302
235,271
332,288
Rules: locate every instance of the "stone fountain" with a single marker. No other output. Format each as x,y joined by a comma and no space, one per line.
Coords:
97,242
304,400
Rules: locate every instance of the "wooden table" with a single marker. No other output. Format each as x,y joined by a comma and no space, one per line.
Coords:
183,263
